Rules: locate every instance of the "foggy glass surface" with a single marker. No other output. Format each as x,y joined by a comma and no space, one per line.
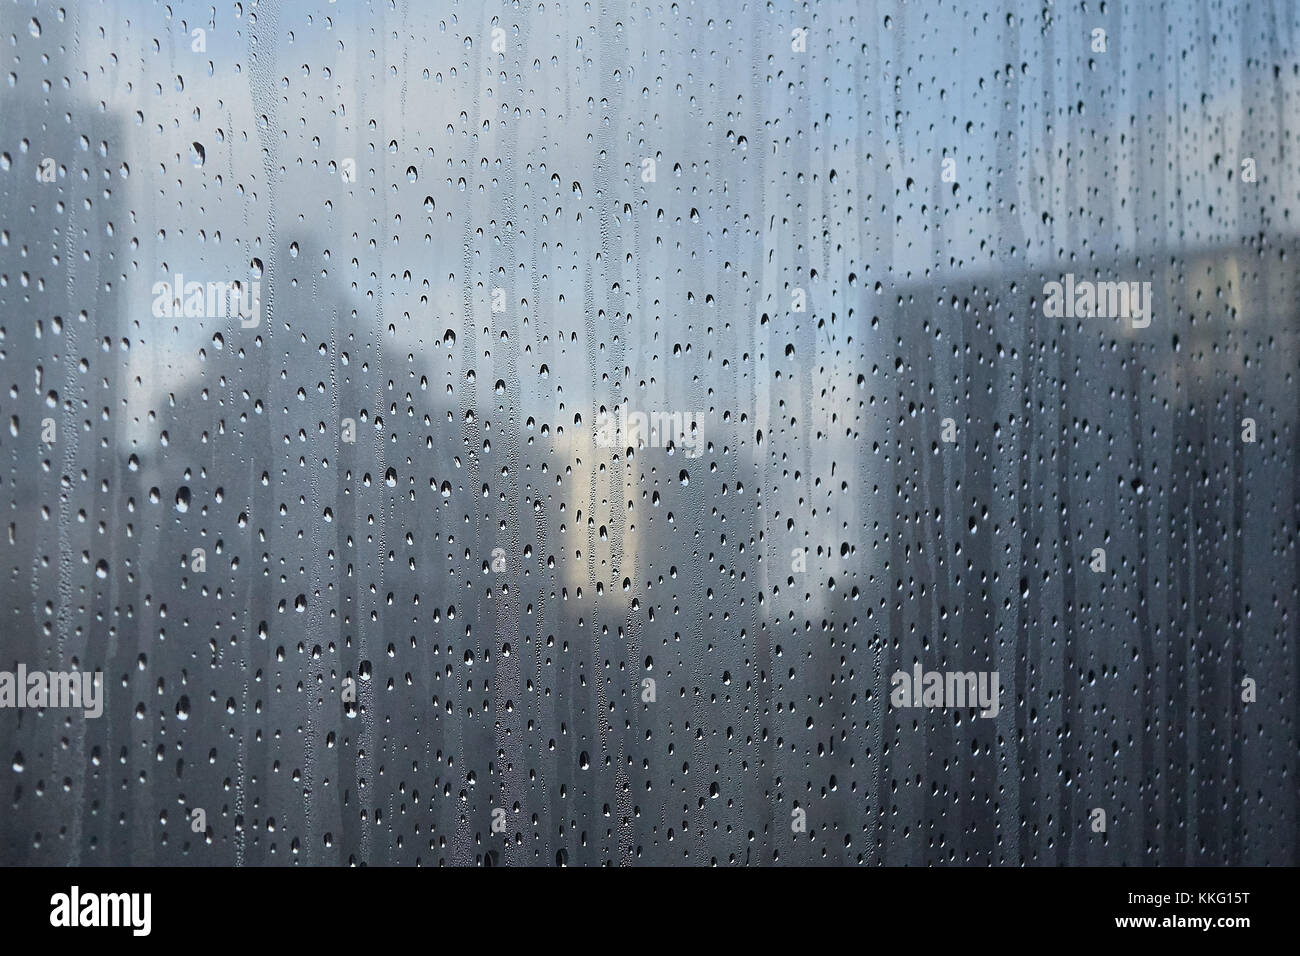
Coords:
355,651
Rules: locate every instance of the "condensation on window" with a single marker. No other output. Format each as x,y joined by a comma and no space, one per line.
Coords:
684,433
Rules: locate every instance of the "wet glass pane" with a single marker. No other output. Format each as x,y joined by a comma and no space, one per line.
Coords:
675,433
